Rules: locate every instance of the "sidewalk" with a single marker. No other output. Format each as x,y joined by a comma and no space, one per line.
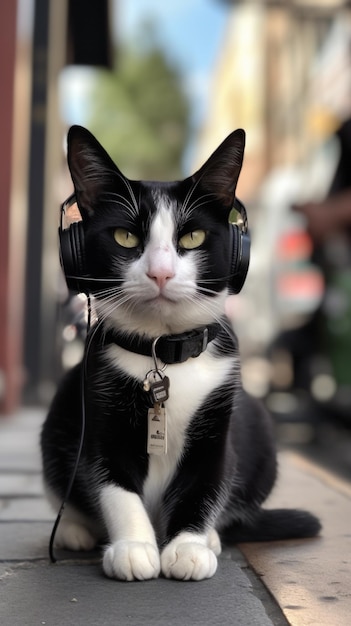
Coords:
304,582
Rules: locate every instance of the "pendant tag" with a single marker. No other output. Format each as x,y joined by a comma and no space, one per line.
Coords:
157,430
159,390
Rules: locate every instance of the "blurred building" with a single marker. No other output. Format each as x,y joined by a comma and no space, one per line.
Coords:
284,75
272,80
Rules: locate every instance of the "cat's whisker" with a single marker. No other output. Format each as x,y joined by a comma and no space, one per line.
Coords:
205,306
187,209
204,290
198,202
201,303
125,181
131,192
115,301
117,198
221,279
190,193
111,303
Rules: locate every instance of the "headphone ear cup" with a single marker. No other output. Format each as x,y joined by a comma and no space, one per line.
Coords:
240,258
72,256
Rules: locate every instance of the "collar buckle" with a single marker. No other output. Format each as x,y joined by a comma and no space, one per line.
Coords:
190,346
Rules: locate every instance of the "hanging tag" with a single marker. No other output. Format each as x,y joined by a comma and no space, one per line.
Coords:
159,390
157,430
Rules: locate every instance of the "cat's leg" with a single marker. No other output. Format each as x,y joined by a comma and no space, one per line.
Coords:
75,531
191,555
132,552
214,542
72,535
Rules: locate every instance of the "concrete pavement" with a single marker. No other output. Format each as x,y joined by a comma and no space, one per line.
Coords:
297,582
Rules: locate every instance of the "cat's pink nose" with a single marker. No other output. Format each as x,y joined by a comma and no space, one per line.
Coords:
161,266
161,277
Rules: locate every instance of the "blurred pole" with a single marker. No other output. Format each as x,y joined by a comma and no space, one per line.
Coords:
36,193
10,270
49,49
54,158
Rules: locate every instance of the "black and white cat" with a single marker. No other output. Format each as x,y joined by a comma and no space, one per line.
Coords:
167,247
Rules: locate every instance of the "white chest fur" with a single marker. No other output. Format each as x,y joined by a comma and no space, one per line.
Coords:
190,383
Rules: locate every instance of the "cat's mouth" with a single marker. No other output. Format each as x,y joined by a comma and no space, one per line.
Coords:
161,298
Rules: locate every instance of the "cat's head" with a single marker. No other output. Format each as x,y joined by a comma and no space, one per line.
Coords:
166,245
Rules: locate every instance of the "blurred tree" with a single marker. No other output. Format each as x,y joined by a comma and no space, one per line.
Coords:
140,114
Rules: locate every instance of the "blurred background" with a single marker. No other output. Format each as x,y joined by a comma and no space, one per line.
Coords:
161,84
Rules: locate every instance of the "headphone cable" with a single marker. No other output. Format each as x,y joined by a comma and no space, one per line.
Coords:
81,438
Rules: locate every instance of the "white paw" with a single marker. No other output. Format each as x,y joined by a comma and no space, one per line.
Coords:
131,560
214,542
74,536
188,561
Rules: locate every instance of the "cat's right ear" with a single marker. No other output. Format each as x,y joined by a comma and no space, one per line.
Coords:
219,175
92,170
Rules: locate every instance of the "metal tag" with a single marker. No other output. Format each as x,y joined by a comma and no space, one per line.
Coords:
157,431
159,390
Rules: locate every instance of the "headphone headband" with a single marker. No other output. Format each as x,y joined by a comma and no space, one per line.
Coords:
65,206
72,250
240,248
243,223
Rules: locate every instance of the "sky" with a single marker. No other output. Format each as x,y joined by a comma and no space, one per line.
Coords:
189,31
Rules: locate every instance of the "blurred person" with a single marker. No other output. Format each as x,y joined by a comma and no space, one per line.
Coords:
328,218
332,216
320,350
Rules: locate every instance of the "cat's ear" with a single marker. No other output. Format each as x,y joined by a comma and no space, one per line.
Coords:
219,175
92,170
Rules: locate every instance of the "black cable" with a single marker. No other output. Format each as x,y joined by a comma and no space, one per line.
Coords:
81,439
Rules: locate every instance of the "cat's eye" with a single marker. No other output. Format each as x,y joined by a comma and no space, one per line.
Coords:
126,238
192,240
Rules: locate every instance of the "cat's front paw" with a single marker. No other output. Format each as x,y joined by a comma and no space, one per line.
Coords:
131,560
188,560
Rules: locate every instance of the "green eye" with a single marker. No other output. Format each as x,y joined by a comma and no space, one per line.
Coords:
192,240
125,238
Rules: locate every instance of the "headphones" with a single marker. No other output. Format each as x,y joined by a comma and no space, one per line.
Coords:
240,244
73,259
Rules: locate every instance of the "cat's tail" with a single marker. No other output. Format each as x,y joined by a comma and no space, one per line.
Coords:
273,525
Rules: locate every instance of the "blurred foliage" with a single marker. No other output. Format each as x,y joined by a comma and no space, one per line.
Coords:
140,114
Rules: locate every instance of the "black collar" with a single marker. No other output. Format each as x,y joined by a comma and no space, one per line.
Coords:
169,349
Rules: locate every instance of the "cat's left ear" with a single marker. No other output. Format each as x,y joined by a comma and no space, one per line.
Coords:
219,175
